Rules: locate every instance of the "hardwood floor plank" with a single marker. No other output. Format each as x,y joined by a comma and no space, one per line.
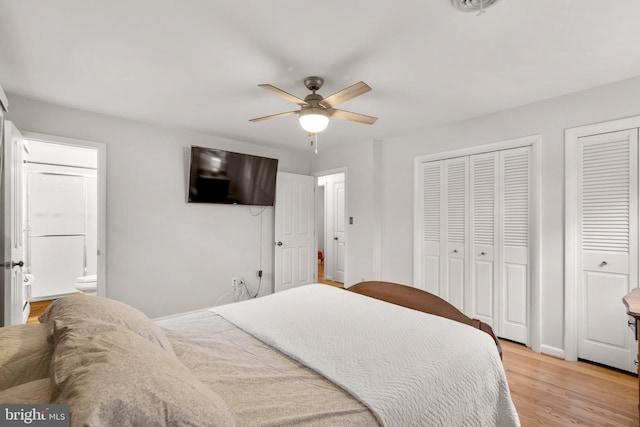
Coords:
548,391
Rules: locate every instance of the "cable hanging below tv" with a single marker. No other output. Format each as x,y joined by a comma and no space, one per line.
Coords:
220,176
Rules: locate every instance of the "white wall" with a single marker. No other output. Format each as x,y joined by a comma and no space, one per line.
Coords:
164,255
548,118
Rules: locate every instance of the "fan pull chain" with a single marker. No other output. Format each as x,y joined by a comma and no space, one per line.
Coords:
312,142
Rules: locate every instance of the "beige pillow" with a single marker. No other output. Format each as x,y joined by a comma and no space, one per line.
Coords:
84,307
36,392
110,376
24,354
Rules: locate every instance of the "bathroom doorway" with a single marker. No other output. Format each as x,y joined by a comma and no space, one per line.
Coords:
63,237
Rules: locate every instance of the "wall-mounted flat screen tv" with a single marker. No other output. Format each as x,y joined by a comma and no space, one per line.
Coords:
219,176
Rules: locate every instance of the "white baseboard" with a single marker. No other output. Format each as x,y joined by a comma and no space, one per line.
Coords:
552,351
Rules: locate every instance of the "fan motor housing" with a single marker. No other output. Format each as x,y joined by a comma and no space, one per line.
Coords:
313,83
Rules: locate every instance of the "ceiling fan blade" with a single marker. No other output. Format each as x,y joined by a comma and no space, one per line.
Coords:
275,116
345,94
285,95
354,117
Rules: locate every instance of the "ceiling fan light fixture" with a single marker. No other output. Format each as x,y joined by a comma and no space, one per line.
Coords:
314,119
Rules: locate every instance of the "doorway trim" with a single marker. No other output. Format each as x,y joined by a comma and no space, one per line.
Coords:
342,170
101,149
571,136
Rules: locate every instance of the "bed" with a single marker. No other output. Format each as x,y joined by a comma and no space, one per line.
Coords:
376,354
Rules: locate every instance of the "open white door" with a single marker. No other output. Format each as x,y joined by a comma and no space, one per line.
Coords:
295,257
339,230
16,307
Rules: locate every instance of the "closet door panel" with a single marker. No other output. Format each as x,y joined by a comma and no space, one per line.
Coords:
431,228
483,185
514,243
455,224
483,301
607,217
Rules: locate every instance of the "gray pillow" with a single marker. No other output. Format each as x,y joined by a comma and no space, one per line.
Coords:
87,307
25,354
110,376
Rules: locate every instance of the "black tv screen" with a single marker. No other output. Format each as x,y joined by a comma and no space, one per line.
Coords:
219,176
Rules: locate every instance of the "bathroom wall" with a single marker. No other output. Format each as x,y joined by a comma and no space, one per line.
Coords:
60,216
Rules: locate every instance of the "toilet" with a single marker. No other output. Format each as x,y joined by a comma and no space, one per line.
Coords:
87,284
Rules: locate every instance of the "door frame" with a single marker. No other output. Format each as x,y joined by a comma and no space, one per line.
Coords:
571,261
101,149
534,141
328,172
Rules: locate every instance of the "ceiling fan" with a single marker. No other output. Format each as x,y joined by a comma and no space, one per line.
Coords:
315,110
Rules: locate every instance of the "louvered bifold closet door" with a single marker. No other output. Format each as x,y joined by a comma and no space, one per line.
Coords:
514,202
431,186
483,185
454,223
607,220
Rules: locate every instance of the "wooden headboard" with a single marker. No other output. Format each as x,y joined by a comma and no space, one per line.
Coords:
420,300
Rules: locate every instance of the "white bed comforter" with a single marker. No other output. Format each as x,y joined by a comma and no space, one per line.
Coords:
410,368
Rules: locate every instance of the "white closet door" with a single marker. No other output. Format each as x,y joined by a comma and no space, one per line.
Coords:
608,253
514,202
483,208
474,250
430,184
455,225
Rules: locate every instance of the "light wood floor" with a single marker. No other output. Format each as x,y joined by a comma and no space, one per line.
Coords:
321,278
548,391
37,308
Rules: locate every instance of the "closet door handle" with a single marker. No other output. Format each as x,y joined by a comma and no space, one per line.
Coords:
603,263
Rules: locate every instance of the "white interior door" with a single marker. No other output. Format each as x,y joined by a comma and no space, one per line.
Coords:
16,307
608,245
339,231
295,256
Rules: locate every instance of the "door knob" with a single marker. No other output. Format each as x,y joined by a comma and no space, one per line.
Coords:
603,263
279,243
482,253
455,251
17,264
335,238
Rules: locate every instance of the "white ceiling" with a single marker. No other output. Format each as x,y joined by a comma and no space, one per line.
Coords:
196,64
